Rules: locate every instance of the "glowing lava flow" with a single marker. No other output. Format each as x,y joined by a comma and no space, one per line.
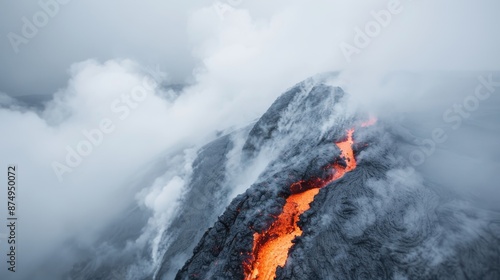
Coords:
270,248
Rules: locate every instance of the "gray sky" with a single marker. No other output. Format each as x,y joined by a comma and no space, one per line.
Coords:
427,34
152,32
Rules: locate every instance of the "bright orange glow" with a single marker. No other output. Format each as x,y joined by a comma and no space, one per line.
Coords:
270,248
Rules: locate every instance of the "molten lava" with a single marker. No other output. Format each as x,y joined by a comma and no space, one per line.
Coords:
270,248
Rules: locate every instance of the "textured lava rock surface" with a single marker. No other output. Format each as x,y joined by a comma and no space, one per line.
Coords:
381,221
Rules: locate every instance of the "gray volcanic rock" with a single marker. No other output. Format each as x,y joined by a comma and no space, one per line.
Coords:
303,151
201,208
382,220
207,187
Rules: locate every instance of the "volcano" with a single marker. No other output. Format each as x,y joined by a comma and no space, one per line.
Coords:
336,201
314,189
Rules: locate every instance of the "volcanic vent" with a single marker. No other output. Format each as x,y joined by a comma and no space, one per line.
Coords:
335,202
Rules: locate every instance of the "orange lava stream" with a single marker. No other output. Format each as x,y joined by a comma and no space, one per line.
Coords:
270,248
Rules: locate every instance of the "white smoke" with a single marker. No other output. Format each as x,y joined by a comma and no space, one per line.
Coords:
93,174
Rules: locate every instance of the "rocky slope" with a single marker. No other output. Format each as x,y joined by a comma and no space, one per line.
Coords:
382,220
